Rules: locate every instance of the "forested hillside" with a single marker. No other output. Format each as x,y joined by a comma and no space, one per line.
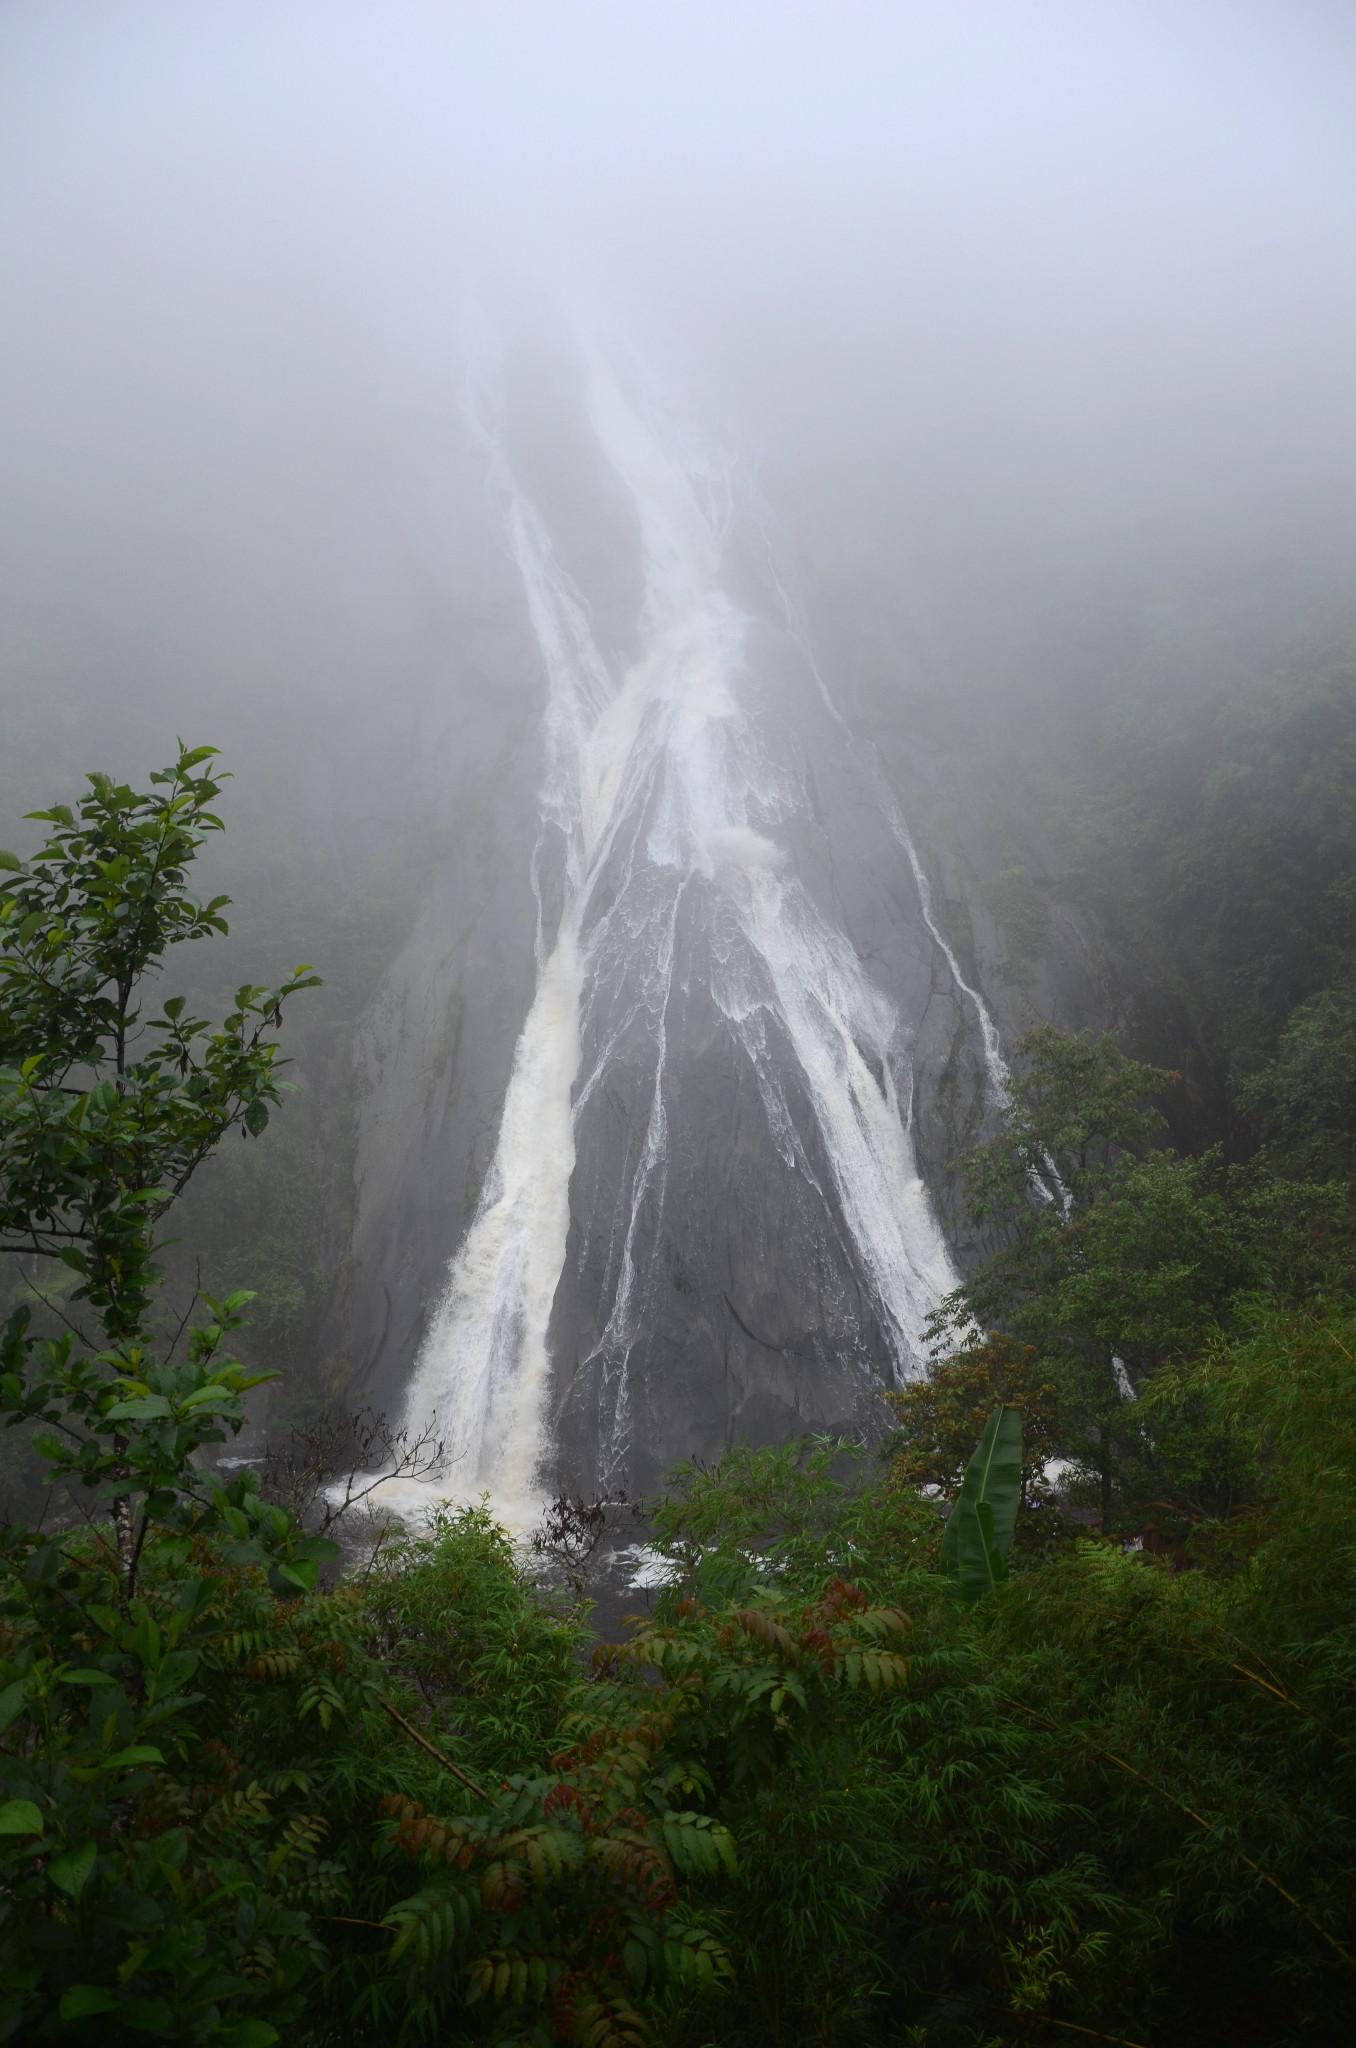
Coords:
1035,1725
1216,843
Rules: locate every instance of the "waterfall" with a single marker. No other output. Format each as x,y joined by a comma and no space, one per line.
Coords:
666,803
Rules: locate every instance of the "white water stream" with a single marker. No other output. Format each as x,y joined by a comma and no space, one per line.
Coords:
657,783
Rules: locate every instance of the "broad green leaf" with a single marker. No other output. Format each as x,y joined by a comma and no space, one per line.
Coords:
11,1702
70,1873
147,1640
146,2015
144,1408
42,1566
20,1817
127,1759
83,1999
981,1566
979,1528
247,2034
213,1392
290,1579
637,1961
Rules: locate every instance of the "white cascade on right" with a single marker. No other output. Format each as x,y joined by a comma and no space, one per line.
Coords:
657,777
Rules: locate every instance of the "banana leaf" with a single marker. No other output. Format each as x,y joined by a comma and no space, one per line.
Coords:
979,1528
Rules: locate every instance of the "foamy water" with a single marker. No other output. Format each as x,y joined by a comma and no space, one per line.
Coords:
658,780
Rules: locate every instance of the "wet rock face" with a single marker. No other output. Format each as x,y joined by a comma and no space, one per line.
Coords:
778,1057
725,1300
743,1317
722,1298
431,1065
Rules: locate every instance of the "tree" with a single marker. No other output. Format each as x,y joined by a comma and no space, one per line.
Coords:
1116,1257
941,1418
105,1115
1306,1095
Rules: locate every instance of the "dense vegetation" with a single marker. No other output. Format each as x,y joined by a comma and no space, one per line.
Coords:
1208,828
1068,1767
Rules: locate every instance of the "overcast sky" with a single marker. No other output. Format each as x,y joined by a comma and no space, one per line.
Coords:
1025,278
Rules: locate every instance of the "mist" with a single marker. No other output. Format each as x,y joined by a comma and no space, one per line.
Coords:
756,1210
1023,339
1004,296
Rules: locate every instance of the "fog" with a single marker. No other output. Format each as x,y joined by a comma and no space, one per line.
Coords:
998,301
1020,330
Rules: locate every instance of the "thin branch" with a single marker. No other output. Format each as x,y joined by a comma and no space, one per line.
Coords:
34,1250
97,1527
445,1761
406,1464
382,1534
135,1561
1071,2026
1046,2020
59,1313
1191,1814
192,1302
1286,1701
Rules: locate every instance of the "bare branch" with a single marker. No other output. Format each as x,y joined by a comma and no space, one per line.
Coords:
360,1448
59,1313
193,1299
571,1531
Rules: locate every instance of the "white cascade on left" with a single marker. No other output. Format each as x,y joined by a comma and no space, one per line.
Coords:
657,777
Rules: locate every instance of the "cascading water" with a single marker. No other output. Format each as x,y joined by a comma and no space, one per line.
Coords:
997,1071
670,889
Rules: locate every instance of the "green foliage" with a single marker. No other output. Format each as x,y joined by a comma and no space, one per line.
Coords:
127,1426
802,1509
559,1898
1111,1797
980,1527
105,1117
1117,1259
455,1622
1207,827
813,1797
941,1416
142,1894
1305,1096
110,1905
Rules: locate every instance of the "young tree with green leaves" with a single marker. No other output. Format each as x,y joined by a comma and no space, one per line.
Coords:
109,1103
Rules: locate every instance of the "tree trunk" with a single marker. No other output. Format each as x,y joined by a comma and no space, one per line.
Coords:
125,1530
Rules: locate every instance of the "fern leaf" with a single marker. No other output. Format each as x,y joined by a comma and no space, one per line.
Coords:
275,1665
603,2018
765,1630
430,1923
